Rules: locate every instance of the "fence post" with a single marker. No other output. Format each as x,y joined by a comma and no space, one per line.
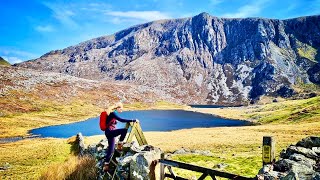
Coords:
162,166
268,150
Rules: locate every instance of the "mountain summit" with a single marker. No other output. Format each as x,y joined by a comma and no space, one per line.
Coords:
202,59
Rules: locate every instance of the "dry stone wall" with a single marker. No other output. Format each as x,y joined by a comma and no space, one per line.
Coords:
300,161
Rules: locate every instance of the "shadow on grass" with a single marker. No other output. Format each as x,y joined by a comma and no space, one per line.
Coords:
74,148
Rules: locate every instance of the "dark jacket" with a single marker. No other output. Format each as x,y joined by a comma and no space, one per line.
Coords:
112,120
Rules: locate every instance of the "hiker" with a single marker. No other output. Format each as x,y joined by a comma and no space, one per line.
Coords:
111,132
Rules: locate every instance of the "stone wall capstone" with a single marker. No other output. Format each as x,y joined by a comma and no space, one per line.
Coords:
300,161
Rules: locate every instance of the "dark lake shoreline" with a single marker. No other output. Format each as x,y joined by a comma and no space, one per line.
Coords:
210,106
150,120
17,138
34,133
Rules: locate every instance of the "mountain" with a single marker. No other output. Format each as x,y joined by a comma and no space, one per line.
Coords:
202,59
4,62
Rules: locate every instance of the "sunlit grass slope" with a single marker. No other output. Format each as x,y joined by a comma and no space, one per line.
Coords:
290,111
29,158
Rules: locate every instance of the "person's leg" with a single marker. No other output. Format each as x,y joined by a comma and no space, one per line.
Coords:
111,140
122,133
117,132
111,143
110,151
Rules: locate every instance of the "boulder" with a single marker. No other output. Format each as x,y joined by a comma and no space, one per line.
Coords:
316,176
309,142
137,162
296,162
299,150
303,160
141,160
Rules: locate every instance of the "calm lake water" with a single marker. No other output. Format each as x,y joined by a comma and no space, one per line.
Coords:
150,120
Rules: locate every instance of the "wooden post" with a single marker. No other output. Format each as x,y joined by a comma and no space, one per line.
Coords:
134,129
162,166
140,134
268,150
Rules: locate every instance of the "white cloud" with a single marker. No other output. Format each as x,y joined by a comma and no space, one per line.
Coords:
7,51
95,7
63,14
248,10
16,56
12,60
138,15
46,28
117,20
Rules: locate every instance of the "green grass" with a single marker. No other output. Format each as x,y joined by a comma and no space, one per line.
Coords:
49,114
156,105
74,168
29,158
288,111
37,112
293,111
243,160
235,164
306,51
4,62
302,87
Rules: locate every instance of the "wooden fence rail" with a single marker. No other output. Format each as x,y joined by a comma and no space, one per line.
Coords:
206,171
135,130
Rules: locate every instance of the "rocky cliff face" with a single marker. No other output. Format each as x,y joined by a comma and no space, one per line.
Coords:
202,59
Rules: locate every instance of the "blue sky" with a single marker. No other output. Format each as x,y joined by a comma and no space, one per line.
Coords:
32,28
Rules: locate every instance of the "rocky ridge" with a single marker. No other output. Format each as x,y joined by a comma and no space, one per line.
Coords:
200,60
20,87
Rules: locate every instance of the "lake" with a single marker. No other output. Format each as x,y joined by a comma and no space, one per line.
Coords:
150,120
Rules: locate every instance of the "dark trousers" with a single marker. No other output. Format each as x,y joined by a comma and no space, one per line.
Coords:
111,134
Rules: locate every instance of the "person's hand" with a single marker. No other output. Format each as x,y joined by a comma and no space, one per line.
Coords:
137,120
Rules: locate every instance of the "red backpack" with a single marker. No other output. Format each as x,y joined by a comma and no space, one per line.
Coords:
103,120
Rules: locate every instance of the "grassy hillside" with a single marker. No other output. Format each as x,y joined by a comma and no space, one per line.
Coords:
289,111
4,62
33,99
240,148
294,111
27,159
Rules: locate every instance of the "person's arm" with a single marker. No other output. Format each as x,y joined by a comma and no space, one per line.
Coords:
123,120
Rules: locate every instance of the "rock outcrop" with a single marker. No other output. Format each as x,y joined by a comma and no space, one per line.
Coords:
300,161
137,163
22,86
202,59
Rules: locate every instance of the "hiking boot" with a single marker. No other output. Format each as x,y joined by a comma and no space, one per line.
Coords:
106,167
120,146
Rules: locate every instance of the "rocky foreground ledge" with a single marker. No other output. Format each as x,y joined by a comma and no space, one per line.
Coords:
138,162
300,161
